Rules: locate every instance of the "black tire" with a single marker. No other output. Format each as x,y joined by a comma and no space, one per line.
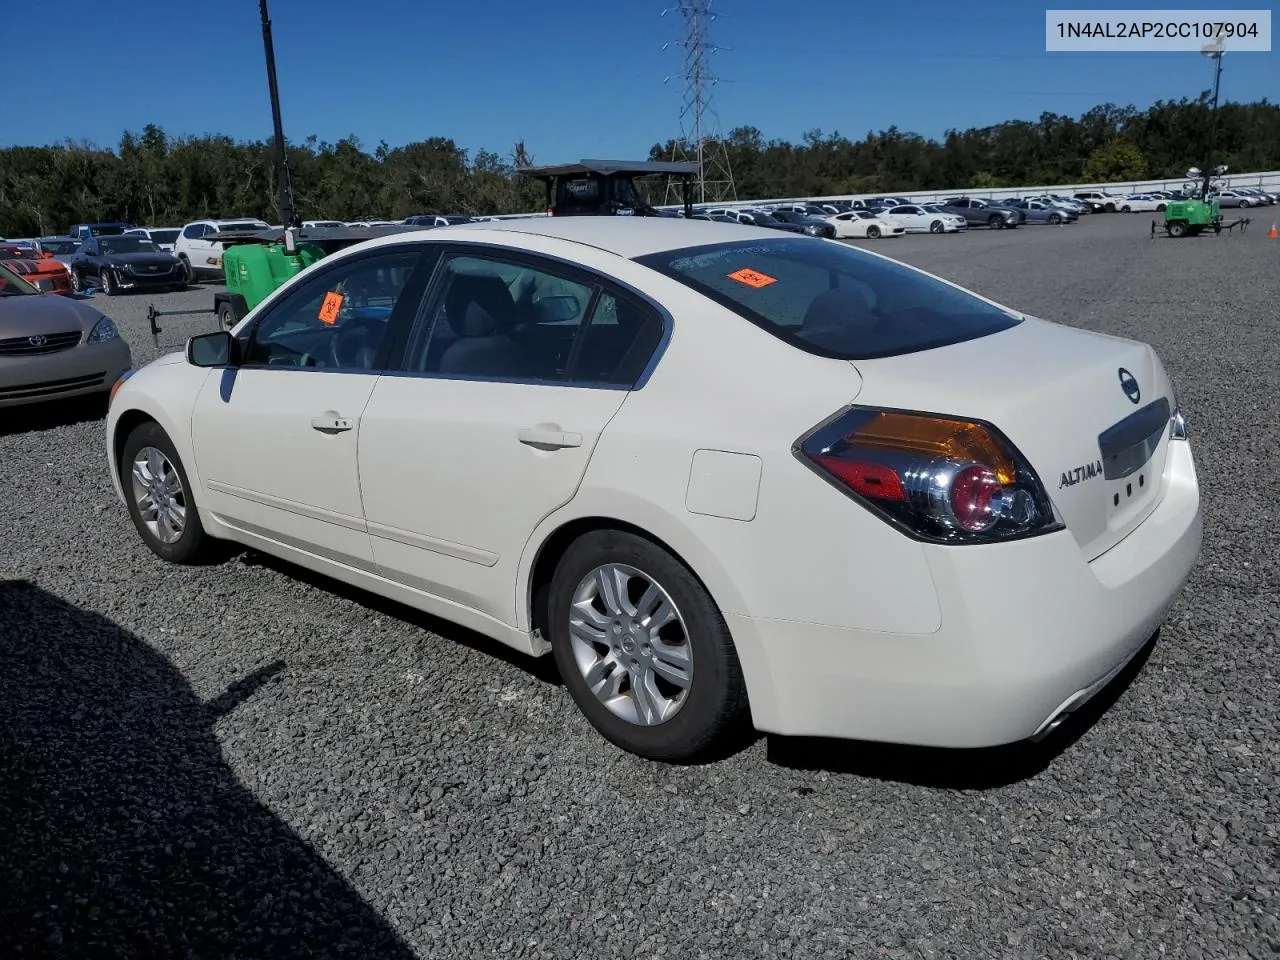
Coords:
77,282
1159,208
1110,208
188,275
995,222
935,226
1126,209
1176,228
193,545
715,711
873,233
226,318
106,284
1055,219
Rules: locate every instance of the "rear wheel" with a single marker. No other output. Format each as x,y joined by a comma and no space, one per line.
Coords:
1110,208
226,317
643,649
1159,208
1176,228
159,497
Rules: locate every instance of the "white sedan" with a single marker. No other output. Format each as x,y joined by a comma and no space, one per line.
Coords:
916,219
1143,203
725,477
863,224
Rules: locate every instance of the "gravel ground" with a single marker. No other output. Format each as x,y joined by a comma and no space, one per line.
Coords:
245,761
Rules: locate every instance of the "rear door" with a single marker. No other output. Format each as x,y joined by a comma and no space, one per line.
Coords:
515,367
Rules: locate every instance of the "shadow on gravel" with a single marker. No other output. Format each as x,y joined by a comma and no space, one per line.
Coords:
981,769
540,668
122,831
52,414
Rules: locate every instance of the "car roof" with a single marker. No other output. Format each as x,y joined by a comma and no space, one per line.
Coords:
625,236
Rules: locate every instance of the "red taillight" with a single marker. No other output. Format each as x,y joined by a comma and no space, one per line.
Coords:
873,480
975,498
945,479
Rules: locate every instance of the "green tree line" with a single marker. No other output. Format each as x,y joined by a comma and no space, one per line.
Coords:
154,179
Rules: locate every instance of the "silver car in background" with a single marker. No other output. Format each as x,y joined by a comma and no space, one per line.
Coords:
53,346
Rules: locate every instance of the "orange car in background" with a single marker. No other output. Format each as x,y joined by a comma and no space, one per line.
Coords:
43,272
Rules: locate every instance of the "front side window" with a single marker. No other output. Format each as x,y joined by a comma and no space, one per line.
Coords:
830,299
337,320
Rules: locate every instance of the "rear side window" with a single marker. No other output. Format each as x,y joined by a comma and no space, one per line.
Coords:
830,299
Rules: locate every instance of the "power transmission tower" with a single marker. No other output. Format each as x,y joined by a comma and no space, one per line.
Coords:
700,137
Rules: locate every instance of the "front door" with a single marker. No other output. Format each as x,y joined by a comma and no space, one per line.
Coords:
515,370
275,438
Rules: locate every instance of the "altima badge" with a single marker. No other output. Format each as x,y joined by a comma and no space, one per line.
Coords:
1079,474
1129,384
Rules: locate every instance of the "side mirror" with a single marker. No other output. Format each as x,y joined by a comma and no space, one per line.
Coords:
218,349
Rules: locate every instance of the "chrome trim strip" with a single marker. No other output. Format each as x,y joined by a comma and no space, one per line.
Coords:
288,506
459,551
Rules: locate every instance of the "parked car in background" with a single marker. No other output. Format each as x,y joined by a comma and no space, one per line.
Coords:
46,273
760,218
162,237
54,347
916,219
111,228
983,213
813,225
1100,201
938,209
1036,211
202,257
116,264
859,224
1234,198
60,248
436,220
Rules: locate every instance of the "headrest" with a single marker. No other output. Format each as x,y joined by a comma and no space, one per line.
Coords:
476,322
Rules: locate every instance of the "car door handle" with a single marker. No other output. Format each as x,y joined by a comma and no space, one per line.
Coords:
549,437
331,423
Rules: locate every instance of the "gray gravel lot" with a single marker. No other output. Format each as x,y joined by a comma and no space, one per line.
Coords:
246,761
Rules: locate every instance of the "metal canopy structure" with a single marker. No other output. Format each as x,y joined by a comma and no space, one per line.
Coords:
608,173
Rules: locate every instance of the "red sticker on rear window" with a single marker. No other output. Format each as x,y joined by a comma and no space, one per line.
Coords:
752,278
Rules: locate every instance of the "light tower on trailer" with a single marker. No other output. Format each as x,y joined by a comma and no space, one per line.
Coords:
701,140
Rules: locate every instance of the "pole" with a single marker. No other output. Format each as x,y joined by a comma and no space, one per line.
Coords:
697,102
1213,125
284,181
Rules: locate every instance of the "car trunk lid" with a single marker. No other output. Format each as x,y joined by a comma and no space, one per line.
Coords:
1090,412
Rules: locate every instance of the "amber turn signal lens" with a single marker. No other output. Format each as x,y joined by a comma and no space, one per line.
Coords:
940,437
115,387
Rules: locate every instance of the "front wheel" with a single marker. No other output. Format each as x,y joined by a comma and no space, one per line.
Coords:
995,222
1159,208
935,227
159,496
873,233
1055,219
643,649
1177,228
226,318
105,283
1126,209
77,282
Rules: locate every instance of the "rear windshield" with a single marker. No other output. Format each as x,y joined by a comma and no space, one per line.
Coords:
831,299
164,236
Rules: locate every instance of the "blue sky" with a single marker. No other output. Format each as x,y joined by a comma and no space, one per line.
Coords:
577,79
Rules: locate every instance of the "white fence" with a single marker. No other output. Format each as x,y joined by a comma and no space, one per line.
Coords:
1269,181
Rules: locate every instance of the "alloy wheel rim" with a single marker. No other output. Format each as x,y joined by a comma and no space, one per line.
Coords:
159,495
629,641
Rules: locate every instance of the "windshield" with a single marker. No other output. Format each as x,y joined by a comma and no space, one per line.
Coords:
830,299
12,285
110,247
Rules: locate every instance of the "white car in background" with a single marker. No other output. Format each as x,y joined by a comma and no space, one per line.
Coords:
916,219
532,431
201,256
863,224
961,224
1143,203
162,237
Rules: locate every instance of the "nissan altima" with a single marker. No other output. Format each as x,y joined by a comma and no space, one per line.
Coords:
725,477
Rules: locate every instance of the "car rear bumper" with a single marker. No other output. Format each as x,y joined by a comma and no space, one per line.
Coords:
87,369
1029,630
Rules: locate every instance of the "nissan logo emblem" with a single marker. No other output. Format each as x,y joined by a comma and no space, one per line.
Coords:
39,340
1129,384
